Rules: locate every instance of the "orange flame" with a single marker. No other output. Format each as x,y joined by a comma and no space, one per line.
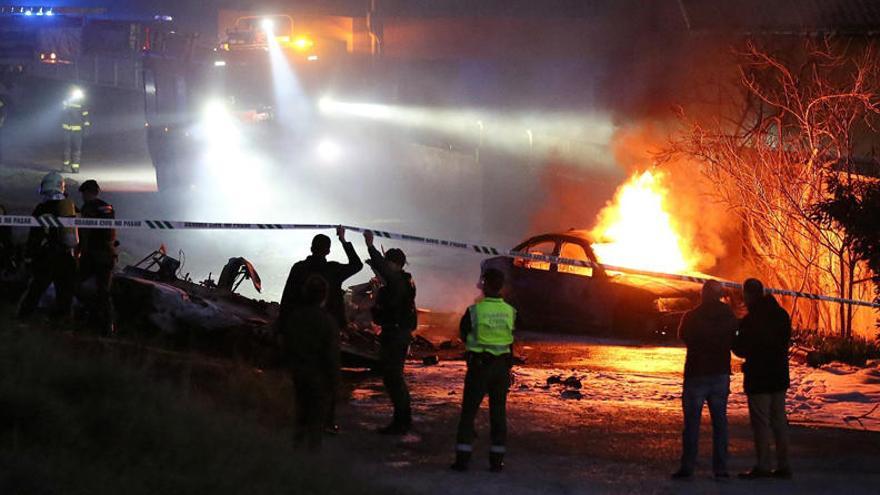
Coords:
636,230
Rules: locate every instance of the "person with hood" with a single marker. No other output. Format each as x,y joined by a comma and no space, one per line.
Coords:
311,345
763,340
50,250
395,312
334,274
708,332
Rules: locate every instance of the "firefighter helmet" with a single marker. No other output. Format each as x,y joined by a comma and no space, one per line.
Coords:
52,182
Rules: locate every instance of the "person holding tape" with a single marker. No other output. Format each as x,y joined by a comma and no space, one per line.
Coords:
97,259
487,331
335,274
395,312
50,250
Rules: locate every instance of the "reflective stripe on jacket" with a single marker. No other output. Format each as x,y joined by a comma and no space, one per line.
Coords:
75,117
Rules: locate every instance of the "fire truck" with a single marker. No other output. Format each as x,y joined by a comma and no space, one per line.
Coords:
88,46
259,86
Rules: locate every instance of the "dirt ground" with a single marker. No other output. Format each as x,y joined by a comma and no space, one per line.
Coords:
594,442
559,445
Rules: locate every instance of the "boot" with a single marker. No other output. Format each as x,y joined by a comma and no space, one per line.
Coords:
462,459
496,462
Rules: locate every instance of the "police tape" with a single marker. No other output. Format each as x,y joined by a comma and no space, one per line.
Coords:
51,221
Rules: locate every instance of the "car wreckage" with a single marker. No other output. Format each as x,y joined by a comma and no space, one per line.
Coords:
211,316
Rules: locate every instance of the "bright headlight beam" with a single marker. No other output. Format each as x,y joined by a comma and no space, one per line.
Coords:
584,138
267,25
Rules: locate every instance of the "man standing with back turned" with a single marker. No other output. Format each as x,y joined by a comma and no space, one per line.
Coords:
707,331
763,341
487,331
98,257
334,274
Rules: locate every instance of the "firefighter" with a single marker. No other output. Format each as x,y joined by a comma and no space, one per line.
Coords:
395,312
487,331
76,121
97,249
50,250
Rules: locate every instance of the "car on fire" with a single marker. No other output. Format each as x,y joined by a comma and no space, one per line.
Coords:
554,297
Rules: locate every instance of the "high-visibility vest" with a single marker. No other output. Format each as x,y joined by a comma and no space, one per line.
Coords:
492,322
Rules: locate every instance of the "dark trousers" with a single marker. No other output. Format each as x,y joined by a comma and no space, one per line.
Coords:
713,390
486,374
767,415
392,355
99,265
73,148
314,391
59,269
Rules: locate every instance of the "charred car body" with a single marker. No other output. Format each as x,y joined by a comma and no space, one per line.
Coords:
556,297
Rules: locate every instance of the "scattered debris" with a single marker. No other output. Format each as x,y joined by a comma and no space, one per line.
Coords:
572,382
572,394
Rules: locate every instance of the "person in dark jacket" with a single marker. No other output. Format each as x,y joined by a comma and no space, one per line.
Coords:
335,274
707,331
395,312
50,250
763,340
97,248
311,343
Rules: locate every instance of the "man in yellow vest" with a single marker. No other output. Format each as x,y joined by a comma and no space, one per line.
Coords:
76,120
487,331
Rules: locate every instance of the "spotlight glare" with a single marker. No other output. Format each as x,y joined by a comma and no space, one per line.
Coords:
267,25
328,150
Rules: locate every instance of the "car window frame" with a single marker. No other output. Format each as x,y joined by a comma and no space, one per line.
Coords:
524,248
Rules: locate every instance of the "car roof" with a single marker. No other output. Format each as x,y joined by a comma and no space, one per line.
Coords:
658,286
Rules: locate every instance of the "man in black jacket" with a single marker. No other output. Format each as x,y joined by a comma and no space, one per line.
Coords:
311,345
334,274
707,331
763,341
98,257
395,312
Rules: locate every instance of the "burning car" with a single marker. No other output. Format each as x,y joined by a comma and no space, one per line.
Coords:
553,297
